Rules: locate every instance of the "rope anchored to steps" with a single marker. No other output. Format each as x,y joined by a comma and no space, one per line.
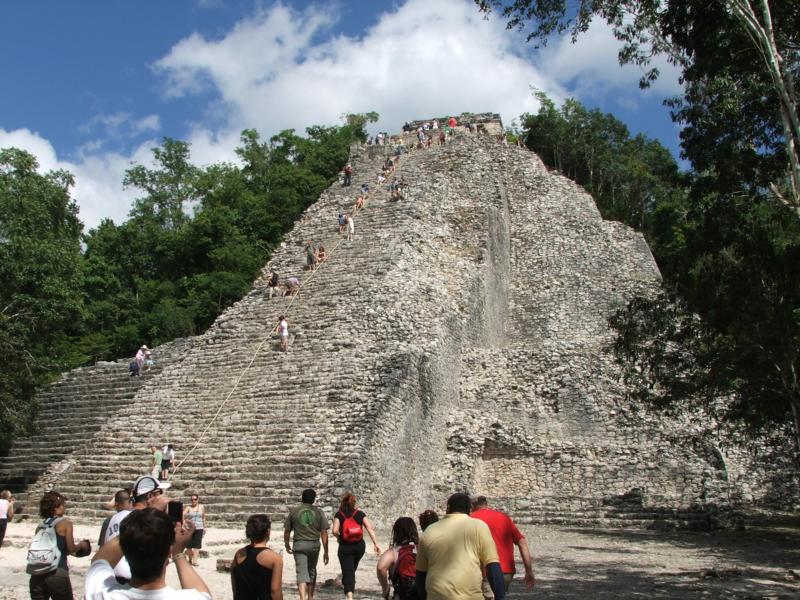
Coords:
303,283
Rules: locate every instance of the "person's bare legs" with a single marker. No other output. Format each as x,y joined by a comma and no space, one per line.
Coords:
302,588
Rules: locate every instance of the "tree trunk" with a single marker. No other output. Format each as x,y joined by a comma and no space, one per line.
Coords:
763,37
796,413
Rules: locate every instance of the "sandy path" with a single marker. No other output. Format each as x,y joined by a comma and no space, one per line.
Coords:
570,564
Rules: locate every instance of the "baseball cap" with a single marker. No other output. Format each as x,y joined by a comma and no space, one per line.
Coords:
146,484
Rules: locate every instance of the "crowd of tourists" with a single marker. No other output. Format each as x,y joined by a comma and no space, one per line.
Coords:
468,553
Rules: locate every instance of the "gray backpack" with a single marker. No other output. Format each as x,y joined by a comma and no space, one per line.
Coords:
43,552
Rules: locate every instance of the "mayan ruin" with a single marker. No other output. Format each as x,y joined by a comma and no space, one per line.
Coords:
460,342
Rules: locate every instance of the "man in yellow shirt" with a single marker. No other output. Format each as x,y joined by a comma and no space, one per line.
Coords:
452,554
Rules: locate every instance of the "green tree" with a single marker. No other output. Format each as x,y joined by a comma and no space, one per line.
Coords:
41,279
736,56
628,176
169,187
728,325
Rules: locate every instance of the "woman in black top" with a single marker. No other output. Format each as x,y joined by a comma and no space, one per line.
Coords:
256,570
350,549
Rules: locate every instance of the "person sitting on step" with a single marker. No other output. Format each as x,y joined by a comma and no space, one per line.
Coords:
321,254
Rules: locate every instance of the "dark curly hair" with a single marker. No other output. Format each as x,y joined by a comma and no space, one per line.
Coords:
427,518
257,528
404,532
49,503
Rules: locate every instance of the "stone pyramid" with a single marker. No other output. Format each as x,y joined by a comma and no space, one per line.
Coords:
458,342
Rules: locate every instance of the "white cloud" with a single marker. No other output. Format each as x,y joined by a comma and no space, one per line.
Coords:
282,68
98,178
590,67
147,124
279,70
121,124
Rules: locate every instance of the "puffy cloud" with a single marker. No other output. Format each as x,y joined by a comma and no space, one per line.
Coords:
122,124
278,70
284,68
98,178
590,67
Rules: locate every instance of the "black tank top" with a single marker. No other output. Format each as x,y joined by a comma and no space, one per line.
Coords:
252,579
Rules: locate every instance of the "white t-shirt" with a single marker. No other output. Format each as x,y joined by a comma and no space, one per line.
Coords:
122,569
101,585
284,328
4,504
351,225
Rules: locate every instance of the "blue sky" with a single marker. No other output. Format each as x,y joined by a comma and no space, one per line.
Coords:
93,85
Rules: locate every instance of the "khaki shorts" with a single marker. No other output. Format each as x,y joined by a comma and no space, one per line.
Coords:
306,556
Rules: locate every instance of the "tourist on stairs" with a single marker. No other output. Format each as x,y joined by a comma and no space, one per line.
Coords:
155,463
292,286
283,329
348,527
272,283
256,570
311,256
167,461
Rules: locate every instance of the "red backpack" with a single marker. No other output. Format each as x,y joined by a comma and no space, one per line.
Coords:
351,529
406,563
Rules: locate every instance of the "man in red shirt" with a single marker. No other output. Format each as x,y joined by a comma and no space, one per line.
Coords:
505,535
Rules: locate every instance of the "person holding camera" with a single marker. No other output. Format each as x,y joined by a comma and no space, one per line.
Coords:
147,539
146,492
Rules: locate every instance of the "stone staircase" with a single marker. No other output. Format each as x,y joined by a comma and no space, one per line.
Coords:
458,342
72,410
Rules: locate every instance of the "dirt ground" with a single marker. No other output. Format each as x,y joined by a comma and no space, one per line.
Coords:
569,563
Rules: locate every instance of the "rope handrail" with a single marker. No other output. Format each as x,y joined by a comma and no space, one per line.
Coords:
266,339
